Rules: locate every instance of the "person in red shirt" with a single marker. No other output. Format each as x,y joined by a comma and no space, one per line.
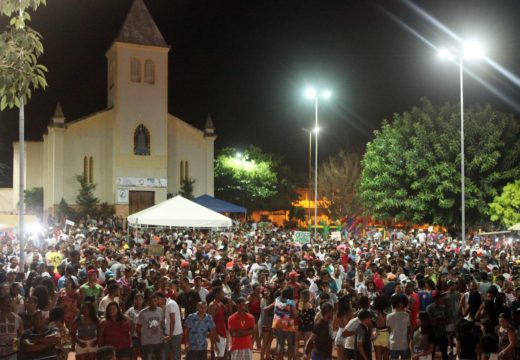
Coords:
241,328
413,303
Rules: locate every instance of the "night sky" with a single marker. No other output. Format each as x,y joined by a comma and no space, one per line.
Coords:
247,63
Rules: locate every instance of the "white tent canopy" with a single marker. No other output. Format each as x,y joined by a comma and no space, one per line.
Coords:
178,212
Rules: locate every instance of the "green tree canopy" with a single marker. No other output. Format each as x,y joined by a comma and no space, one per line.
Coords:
20,48
34,201
252,178
186,190
85,199
506,207
411,170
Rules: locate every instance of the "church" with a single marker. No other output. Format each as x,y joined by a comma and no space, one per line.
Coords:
134,151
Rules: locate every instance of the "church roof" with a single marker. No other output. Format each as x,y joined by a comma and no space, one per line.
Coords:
58,113
209,123
140,28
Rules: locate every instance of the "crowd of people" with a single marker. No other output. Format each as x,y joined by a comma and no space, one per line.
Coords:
100,292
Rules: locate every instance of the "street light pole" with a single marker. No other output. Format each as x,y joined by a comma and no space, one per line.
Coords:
470,50
316,171
312,94
463,197
310,177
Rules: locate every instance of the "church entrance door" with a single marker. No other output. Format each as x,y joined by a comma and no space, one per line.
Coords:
140,200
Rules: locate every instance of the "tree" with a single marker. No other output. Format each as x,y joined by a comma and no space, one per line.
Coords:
34,201
86,200
20,73
186,190
252,179
506,207
338,179
64,211
411,170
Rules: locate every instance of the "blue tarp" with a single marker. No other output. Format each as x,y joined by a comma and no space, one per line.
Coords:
218,205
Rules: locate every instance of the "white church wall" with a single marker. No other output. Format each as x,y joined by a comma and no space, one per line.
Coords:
186,143
33,170
91,137
6,201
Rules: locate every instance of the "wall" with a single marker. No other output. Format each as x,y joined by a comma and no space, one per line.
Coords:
33,171
187,143
6,201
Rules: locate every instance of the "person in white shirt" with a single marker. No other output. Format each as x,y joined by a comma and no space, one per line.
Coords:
172,327
113,295
203,292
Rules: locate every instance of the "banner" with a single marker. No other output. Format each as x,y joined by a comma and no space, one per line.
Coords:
302,237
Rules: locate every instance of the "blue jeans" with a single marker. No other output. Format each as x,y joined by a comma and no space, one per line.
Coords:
153,352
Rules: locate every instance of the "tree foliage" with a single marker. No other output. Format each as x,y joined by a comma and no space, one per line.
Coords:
86,201
338,179
20,48
506,207
186,190
252,178
34,201
411,170
63,211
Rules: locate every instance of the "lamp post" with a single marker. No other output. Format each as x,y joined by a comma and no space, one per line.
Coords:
311,93
470,50
310,170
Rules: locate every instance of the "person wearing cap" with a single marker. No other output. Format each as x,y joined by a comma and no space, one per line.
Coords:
241,327
439,317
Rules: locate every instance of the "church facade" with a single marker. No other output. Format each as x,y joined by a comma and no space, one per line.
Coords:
134,151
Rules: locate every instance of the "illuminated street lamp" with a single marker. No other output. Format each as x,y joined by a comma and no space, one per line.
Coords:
311,93
470,50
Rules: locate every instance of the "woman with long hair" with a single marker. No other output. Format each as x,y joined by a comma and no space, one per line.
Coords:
68,300
381,340
423,338
116,330
506,338
306,313
265,322
133,313
51,290
44,304
284,323
84,332
488,344
253,302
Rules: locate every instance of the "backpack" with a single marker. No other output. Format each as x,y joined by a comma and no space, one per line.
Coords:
425,299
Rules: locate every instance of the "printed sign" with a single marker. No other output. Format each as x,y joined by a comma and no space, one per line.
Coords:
335,235
141,182
302,237
122,196
155,250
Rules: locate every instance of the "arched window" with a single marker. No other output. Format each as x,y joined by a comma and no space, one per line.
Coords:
182,171
141,140
91,170
85,168
135,70
149,72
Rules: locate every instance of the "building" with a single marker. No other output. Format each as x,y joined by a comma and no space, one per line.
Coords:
133,150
